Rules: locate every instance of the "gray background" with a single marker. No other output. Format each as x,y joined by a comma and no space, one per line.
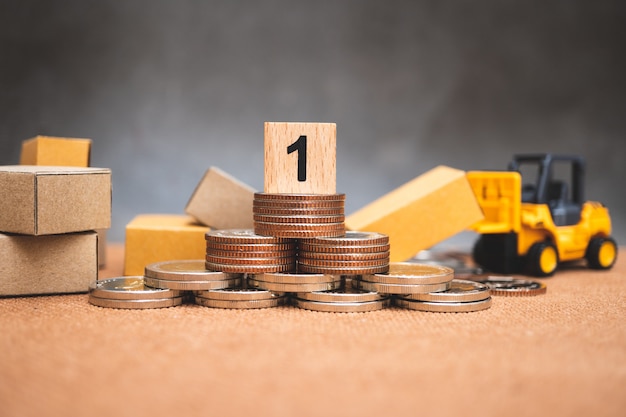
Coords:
168,88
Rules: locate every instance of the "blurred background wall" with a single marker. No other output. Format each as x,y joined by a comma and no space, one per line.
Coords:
168,88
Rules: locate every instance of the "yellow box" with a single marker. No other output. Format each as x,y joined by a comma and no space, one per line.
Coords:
51,151
162,237
54,264
420,213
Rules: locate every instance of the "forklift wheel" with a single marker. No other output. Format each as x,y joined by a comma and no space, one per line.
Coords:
542,259
601,253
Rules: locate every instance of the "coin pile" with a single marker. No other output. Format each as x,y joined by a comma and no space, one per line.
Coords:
240,298
354,253
131,293
299,216
243,251
188,275
461,297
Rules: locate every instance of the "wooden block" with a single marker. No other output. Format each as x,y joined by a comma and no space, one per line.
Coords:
300,158
55,264
52,151
162,237
420,213
39,200
222,202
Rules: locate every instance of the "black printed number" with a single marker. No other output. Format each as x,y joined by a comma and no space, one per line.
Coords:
300,147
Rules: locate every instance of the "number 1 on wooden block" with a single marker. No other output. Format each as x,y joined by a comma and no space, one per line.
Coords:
300,158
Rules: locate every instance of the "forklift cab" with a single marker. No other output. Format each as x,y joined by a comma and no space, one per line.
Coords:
554,180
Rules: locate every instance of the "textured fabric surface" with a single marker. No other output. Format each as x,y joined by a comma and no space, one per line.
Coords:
562,353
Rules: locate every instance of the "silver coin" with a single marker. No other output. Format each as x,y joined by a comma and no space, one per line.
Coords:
129,288
240,236
280,287
437,307
286,278
240,304
509,286
191,285
341,307
187,270
406,273
459,291
239,294
136,304
349,295
351,238
399,288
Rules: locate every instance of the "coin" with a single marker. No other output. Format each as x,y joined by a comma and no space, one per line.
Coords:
298,197
459,291
341,307
351,257
240,236
352,238
136,304
465,307
298,211
283,260
299,234
191,270
509,286
300,227
342,270
282,287
252,248
285,278
408,273
250,269
305,219
349,295
239,294
191,285
240,304
295,204
303,246
129,288
343,264
399,288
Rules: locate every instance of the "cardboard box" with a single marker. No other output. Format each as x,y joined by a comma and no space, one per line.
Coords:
222,202
420,213
55,264
51,151
162,237
39,200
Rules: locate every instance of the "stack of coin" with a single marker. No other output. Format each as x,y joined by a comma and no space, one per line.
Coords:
293,283
188,275
240,298
132,293
407,278
355,253
299,216
462,297
244,251
341,301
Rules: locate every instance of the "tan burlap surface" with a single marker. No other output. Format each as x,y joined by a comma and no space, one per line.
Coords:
563,353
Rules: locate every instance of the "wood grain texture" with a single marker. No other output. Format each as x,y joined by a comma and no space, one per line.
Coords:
281,167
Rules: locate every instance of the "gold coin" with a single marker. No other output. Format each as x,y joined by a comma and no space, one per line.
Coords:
129,288
136,304
240,236
352,238
187,270
306,219
286,278
341,307
306,247
435,307
342,270
282,287
250,269
408,273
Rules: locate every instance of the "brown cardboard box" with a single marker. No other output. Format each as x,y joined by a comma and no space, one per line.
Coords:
420,213
51,151
39,200
162,237
221,201
54,264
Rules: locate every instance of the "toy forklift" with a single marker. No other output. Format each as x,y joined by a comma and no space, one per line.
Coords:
536,217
